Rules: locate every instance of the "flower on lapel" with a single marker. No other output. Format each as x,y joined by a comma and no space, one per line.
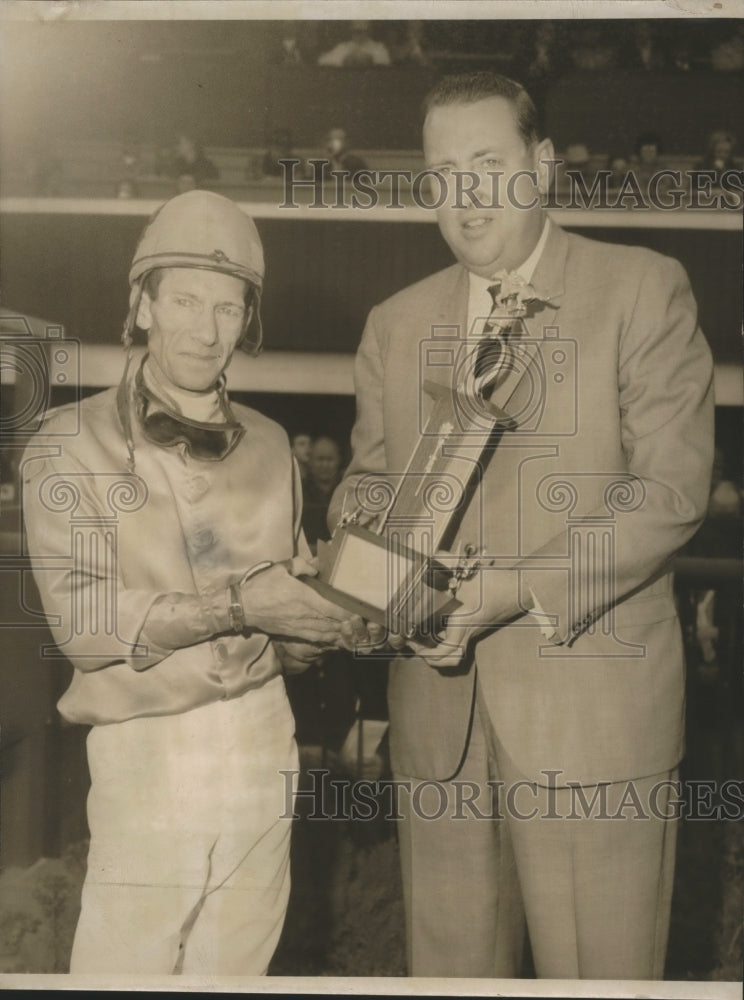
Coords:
514,293
511,295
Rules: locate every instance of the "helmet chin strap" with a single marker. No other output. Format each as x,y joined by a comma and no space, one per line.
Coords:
131,321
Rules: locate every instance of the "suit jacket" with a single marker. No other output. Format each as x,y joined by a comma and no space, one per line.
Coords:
589,502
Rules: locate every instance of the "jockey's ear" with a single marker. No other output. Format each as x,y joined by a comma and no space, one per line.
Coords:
144,315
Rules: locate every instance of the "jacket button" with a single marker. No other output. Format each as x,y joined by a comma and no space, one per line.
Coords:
222,651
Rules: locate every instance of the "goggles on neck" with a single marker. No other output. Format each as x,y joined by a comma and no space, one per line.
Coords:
164,427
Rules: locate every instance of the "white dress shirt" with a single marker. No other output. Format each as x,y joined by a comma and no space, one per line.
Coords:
480,303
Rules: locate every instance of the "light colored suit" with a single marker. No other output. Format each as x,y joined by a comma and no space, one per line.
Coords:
622,453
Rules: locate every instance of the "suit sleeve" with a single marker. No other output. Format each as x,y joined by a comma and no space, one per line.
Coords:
368,434
665,382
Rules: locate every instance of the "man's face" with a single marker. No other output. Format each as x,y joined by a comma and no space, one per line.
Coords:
336,142
723,148
194,324
483,137
301,445
648,153
325,462
186,148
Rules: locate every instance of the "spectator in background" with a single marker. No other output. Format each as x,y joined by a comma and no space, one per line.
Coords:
544,55
329,697
190,167
714,621
130,160
279,148
646,159
323,698
340,158
645,50
288,51
126,189
719,154
301,444
594,49
618,164
324,473
577,159
360,50
728,55
405,43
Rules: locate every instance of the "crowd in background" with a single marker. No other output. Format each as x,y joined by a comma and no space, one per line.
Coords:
539,48
186,166
538,53
334,699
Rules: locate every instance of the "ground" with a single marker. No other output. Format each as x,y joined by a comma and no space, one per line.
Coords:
346,915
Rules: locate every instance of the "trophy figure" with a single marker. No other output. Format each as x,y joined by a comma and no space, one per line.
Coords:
385,560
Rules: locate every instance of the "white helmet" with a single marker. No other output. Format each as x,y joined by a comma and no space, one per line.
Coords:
204,230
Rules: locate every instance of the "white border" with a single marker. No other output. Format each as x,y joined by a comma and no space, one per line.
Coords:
52,10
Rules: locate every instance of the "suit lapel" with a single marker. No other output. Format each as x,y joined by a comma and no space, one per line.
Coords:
548,279
453,302
447,326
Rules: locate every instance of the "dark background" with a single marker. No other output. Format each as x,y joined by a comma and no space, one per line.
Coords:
146,81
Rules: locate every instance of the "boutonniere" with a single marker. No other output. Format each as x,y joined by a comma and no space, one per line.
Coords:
513,294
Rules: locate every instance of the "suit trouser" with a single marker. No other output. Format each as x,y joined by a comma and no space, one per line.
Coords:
596,891
188,868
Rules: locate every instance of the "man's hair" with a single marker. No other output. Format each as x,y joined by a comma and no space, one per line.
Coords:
648,139
151,284
327,439
467,88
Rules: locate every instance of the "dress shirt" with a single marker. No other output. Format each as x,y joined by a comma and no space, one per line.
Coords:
480,303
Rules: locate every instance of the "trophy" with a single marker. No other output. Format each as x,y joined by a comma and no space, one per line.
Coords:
385,560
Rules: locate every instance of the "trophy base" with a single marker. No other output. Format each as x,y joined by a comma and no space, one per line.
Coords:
402,590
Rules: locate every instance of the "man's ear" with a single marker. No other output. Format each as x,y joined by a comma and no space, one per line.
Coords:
544,160
144,314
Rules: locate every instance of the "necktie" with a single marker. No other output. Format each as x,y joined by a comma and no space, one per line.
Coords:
491,352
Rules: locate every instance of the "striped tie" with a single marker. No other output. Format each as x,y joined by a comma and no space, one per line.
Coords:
490,353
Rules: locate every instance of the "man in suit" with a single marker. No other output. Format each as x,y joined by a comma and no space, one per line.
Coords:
539,741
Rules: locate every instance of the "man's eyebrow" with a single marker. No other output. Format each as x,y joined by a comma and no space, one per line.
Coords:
197,298
446,161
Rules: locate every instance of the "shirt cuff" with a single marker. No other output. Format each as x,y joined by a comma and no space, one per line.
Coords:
547,627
